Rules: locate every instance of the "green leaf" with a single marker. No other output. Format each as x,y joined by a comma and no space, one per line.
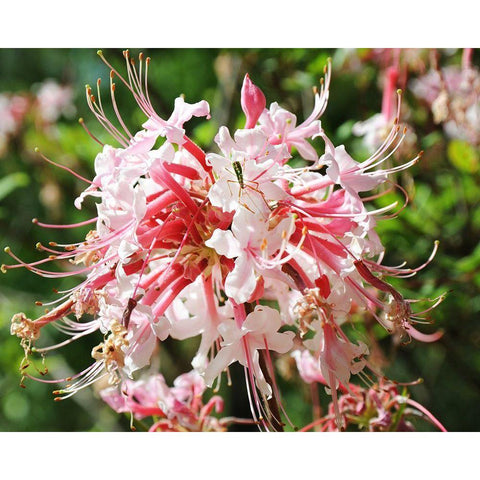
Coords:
463,156
11,182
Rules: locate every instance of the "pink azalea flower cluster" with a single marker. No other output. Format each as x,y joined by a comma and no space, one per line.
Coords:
12,111
235,246
453,95
49,102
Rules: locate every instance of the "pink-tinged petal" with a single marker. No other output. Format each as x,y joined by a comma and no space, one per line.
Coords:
142,343
175,135
241,281
253,142
262,320
281,342
222,360
224,140
184,111
252,100
114,399
162,328
424,337
225,194
224,243
142,142
306,150
217,162
308,367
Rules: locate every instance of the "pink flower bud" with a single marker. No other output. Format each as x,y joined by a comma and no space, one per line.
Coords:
253,102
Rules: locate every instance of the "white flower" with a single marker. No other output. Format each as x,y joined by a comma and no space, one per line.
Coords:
258,332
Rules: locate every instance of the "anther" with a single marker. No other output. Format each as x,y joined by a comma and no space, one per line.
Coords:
38,303
99,53
7,249
34,221
3,268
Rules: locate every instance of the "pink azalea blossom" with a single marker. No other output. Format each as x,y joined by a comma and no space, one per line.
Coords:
259,331
188,244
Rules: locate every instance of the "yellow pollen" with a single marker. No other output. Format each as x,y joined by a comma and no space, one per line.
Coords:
3,268
7,249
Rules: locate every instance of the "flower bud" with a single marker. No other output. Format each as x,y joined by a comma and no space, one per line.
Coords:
253,102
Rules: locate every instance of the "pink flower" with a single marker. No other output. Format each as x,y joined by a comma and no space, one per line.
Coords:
259,331
54,100
253,246
253,102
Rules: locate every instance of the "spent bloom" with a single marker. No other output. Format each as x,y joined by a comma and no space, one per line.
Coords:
187,243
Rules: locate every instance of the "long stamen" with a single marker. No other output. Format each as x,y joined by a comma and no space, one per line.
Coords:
63,167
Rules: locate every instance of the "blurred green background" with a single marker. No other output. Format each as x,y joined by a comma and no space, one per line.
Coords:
444,188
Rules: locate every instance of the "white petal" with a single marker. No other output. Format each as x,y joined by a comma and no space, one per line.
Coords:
224,243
